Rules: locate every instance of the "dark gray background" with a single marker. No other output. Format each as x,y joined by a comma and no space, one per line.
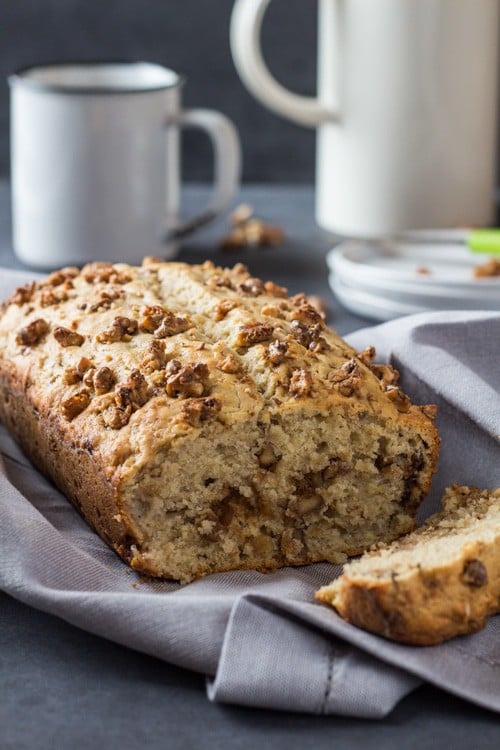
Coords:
191,36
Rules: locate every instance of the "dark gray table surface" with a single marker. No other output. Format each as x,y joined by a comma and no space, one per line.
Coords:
61,687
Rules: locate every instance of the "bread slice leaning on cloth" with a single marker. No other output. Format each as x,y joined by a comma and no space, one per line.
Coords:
201,420
438,582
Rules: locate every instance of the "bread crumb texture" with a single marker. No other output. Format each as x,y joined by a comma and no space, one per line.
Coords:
438,582
202,420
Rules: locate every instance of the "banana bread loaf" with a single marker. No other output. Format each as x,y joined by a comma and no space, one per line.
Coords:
201,420
440,581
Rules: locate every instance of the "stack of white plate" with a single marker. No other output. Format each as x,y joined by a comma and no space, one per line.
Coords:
388,279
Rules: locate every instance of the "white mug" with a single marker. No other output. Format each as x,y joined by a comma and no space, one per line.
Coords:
405,112
95,162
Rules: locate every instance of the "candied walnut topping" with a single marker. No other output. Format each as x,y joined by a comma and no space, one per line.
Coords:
104,272
398,398
133,392
154,357
252,287
367,355
308,315
474,573
309,336
162,323
62,276
50,296
196,410
116,418
74,405
213,282
254,333
65,337
229,365
187,381
23,294
150,260
277,351
347,378
223,308
120,330
103,380
430,411
387,375
106,298
74,375
319,305
300,383
152,317
275,290
33,333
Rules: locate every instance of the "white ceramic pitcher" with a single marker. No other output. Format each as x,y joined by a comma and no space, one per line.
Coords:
405,111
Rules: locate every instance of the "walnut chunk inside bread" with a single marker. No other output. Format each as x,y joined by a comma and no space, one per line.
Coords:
203,421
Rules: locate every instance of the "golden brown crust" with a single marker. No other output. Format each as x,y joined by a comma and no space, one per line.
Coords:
428,603
105,370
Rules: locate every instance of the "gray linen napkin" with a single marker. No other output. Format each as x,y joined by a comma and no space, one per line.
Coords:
262,640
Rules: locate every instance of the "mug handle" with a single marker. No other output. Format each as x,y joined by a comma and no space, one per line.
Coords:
246,23
227,166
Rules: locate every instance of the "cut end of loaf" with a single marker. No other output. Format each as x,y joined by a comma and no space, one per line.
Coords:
438,582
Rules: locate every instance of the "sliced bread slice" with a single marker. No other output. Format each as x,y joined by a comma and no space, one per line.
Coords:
440,581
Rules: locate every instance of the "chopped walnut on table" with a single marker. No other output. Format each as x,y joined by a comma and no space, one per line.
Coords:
249,231
121,329
488,269
33,333
65,337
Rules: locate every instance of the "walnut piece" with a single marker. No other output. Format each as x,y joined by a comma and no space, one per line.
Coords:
74,405
50,296
23,294
309,336
62,276
275,290
103,380
490,268
253,333
474,573
347,378
223,307
276,351
33,333
387,375
65,337
120,330
308,315
171,325
229,365
187,381
300,383
106,298
197,410
154,358
104,272
398,398
251,287
133,392
430,411
367,355
116,418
